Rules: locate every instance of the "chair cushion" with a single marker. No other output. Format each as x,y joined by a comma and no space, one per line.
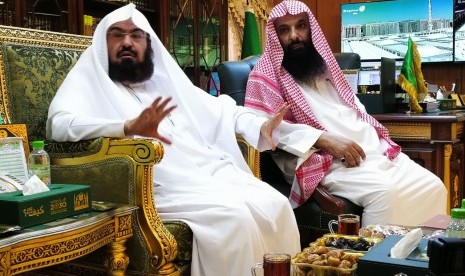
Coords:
33,74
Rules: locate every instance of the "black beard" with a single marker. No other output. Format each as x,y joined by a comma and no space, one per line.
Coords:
128,71
304,63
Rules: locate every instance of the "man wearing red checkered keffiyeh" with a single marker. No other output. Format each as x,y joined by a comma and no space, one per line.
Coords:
355,159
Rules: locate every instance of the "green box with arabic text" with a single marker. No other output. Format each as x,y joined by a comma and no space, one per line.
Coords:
61,201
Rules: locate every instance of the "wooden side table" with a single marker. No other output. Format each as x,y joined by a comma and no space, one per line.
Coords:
437,142
67,239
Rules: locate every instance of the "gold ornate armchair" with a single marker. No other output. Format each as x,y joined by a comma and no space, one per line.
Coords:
33,64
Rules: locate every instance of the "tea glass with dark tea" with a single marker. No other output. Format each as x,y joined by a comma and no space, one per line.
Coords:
347,224
274,264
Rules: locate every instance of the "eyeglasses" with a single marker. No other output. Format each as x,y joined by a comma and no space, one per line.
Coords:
137,35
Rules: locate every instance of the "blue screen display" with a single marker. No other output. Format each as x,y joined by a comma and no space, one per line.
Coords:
381,29
459,30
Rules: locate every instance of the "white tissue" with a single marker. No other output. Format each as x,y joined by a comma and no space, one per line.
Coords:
407,244
34,185
439,95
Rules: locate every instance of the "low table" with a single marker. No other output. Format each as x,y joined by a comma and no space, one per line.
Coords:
67,239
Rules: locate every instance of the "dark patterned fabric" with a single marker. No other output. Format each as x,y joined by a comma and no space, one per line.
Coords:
73,149
33,75
184,237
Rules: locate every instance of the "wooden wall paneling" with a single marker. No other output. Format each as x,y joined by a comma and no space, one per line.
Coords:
79,6
224,47
20,13
328,14
312,5
445,74
164,29
73,22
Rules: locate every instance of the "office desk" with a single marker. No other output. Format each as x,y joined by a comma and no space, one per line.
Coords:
67,239
435,141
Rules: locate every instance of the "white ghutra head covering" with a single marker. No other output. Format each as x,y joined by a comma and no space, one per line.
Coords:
270,85
88,83
88,91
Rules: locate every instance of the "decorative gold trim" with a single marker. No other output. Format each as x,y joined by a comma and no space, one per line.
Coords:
62,249
456,200
4,263
144,153
251,156
160,242
59,244
117,261
459,129
453,131
81,201
409,131
446,179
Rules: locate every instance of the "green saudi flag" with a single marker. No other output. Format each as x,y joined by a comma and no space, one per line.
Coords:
251,38
411,78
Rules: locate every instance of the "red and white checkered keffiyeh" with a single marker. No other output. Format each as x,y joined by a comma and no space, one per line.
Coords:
270,85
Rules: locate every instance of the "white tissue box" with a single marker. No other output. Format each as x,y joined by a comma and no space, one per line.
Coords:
378,262
61,201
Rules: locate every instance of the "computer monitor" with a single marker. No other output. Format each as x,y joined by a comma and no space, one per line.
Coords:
381,84
388,84
388,75
370,74
378,29
459,30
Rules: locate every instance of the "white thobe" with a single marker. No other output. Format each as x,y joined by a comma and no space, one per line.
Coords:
235,218
391,192
202,178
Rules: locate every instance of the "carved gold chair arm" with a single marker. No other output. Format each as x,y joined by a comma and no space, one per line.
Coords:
251,155
121,170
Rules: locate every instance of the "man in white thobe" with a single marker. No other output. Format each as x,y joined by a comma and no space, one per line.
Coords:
127,84
356,159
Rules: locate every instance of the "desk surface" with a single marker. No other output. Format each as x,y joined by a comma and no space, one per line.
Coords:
442,116
63,240
436,141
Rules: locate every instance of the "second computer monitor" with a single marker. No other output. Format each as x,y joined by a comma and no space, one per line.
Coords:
387,84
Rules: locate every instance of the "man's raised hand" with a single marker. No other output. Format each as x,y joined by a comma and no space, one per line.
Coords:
146,124
267,128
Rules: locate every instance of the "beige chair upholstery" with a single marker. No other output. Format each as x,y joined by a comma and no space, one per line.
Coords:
33,65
